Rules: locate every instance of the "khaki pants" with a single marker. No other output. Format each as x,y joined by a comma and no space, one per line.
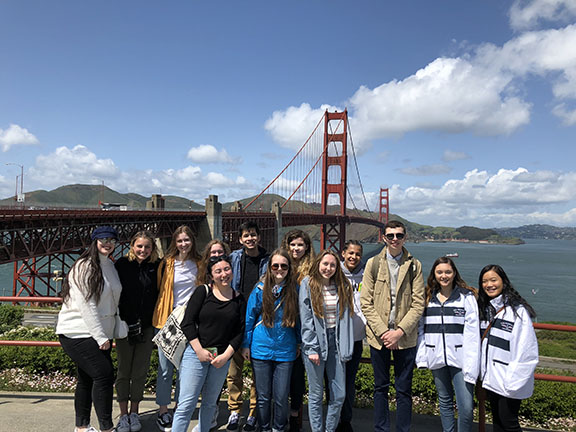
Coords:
236,385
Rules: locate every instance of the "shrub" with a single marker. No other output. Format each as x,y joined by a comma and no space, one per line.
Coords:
10,317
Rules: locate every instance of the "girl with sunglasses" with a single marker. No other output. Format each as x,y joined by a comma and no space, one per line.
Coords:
271,339
326,310
214,326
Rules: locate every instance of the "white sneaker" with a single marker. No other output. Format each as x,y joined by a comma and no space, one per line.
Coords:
90,429
123,424
135,424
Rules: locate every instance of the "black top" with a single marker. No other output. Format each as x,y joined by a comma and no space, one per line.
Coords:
214,322
139,290
250,272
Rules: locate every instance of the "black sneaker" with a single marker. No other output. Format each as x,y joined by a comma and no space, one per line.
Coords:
164,422
294,424
250,425
233,422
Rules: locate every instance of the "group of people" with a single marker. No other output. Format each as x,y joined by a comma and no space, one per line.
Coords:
291,314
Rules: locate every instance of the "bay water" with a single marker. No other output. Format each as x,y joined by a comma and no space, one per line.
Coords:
543,271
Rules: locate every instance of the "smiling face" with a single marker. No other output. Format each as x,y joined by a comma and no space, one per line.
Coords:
395,239
216,250
444,275
250,239
105,246
142,249
327,267
279,266
492,284
352,256
298,248
183,244
222,274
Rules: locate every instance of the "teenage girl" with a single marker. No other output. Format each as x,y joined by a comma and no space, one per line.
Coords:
177,275
509,347
271,339
326,309
449,342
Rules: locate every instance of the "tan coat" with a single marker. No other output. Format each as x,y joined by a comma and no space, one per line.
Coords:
376,303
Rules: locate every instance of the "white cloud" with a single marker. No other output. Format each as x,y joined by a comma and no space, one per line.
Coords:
210,154
14,136
506,198
451,155
526,14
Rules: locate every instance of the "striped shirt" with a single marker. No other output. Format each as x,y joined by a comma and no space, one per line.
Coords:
330,294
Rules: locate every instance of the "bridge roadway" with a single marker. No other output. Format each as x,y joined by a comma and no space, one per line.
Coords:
41,412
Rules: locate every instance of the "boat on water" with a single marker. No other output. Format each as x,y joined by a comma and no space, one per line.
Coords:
452,255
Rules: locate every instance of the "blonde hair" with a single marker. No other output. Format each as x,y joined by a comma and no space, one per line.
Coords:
143,235
303,265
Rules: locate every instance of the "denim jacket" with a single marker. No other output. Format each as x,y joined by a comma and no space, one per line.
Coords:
314,336
236,258
276,343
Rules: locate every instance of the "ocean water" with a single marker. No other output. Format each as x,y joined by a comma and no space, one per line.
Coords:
543,271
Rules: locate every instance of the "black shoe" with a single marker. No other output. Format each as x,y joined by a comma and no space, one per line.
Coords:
294,424
344,426
250,425
233,422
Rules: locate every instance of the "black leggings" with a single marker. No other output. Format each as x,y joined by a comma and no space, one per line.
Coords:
505,412
95,380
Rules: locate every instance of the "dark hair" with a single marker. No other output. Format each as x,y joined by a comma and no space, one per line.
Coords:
143,235
353,243
203,263
395,224
432,284
212,262
86,273
193,255
511,297
247,226
289,294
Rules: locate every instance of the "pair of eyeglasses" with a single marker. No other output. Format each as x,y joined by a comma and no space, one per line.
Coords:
107,240
277,266
399,236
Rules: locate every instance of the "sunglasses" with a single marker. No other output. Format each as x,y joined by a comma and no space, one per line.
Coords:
107,240
218,258
399,236
277,266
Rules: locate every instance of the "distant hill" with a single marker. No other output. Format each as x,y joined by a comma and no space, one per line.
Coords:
543,232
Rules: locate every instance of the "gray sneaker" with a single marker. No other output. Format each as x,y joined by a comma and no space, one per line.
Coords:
135,424
123,424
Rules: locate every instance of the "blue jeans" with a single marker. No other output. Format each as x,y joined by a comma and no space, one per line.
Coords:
336,378
351,371
449,380
197,378
403,370
272,382
165,379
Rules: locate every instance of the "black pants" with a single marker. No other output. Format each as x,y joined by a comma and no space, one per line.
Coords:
297,384
351,371
505,412
95,380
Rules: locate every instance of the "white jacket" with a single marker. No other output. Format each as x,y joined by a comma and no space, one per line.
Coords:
80,318
509,352
449,334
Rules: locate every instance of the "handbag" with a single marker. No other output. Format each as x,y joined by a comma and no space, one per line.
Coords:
171,340
120,327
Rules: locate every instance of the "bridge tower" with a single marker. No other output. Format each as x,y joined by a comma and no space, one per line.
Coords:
384,210
333,235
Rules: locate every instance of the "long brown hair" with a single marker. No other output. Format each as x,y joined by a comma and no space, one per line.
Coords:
432,284
193,255
289,294
304,265
339,279
202,277
147,236
86,273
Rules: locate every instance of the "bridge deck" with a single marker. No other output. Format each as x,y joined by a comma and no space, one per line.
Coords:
55,412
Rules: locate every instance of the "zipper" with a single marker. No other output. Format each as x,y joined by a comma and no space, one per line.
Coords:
443,335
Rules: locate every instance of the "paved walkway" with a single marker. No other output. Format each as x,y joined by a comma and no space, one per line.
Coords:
54,412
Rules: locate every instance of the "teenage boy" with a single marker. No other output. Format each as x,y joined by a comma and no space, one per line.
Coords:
248,265
392,300
354,270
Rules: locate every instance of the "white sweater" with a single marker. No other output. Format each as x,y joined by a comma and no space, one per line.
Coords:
80,318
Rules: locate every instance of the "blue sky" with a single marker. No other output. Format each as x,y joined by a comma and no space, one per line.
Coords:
464,110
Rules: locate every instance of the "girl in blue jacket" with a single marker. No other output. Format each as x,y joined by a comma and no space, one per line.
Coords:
326,309
271,339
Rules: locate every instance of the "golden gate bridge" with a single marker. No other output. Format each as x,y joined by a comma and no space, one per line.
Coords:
314,188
